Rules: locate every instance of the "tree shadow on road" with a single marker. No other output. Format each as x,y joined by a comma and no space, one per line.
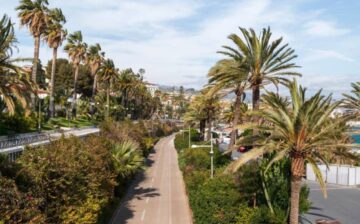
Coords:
315,213
124,213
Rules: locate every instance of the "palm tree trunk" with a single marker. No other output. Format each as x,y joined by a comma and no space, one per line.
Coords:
75,85
297,171
93,94
236,118
108,100
256,97
202,129
208,138
35,66
53,69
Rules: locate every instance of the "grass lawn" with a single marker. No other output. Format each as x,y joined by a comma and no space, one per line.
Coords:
58,122
51,124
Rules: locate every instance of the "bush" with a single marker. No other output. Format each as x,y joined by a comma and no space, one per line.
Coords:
74,179
262,215
216,201
17,124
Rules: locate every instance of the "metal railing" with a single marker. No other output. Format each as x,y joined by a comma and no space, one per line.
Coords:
29,138
23,140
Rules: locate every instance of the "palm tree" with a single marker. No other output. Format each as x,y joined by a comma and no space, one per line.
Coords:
203,110
54,35
353,101
15,86
263,61
76,50
34,15
94,58
228,76
300,129
109,74
128,159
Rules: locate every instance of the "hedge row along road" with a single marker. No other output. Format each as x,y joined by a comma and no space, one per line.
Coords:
157,195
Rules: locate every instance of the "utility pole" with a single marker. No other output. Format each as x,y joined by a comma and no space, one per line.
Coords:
212,155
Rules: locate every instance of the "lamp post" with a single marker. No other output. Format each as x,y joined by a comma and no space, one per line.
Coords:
189,136
211,146
41,96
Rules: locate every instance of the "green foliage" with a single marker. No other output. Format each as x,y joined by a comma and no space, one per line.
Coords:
127,158
215,201
262,215
74,179
17,123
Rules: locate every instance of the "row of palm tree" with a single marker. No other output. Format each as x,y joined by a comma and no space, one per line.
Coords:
254,62
48,24
300,128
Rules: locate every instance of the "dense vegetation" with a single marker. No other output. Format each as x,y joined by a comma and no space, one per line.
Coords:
247,196
74,180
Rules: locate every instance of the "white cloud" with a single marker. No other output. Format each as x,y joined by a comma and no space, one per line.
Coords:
316,54
320,28
176,40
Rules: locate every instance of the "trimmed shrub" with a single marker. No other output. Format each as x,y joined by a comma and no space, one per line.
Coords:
216,201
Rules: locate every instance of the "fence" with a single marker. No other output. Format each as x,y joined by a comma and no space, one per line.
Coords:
336,174
14,145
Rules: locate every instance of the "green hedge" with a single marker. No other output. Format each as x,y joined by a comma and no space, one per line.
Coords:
237,198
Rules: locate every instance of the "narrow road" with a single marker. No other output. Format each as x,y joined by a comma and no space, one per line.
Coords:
157,196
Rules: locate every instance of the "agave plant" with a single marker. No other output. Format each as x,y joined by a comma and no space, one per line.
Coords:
300,129
128,159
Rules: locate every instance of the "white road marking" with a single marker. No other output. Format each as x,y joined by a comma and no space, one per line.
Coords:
147,200
170,214
143,215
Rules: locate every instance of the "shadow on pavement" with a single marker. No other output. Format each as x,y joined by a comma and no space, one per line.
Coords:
315,212
135,192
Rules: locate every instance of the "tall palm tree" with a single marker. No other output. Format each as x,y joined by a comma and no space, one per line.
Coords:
264,61
353,101
35,15
228,76
54,35
76,49
94,58
15,86
109,74
300,129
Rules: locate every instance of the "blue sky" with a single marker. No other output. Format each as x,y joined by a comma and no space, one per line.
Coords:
176,41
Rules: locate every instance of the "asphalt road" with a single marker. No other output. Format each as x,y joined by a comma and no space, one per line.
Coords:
342,204
157,196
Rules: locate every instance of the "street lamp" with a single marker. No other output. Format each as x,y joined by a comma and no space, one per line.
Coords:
211,146
41,96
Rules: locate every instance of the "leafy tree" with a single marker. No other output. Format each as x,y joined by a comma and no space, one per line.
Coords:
54,35
76,49
263,61
301,130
